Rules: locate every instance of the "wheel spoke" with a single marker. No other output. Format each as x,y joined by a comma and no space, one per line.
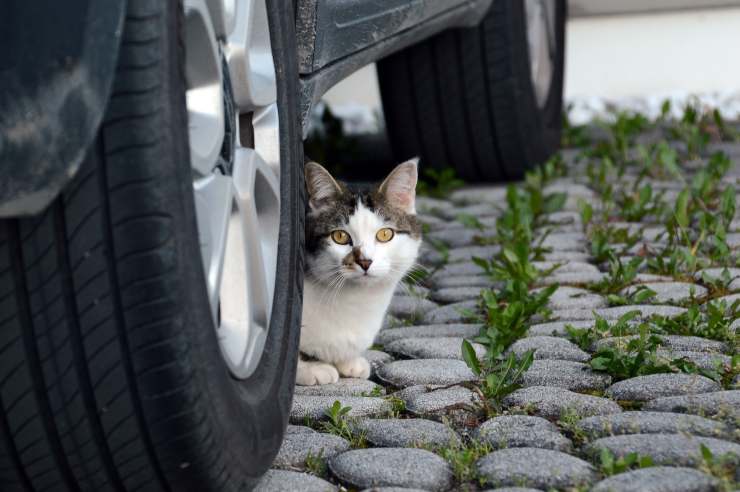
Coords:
204,94
213,203
249,56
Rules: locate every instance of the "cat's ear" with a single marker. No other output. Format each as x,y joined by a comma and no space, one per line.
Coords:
320,185
399,188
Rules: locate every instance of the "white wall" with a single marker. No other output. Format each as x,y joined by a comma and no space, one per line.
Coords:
693,51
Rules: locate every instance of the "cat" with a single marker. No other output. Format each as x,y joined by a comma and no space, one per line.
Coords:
360,242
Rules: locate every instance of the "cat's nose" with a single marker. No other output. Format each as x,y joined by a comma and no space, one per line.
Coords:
365,264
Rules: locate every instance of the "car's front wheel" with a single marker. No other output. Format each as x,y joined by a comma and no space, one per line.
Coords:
485,100
149,317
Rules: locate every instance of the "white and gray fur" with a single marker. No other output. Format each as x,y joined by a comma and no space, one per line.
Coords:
344,304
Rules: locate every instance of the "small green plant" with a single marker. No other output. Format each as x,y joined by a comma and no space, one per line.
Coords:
470,221
338,423
316,464
723,467
586,337
568,421
610,465
619,275
462,457
398,406
438,183
637,358
640,295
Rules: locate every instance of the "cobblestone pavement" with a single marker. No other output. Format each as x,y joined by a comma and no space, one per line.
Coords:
422,422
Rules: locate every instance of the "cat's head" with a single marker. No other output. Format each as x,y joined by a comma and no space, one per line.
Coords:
361,235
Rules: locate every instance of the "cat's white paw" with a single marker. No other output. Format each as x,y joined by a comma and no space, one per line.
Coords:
358,367
313,373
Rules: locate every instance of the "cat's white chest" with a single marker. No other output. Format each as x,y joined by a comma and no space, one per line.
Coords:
340,325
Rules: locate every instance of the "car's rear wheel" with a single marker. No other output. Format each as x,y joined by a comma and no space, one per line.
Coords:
485,100
148,332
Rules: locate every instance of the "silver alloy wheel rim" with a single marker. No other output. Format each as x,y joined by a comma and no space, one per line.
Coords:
237,204
540,18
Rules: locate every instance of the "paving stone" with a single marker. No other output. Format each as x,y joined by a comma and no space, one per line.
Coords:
313,407
573,376
376,358
392,489
457,269
659,479
399,467
664,449
644,388
574,298
290,481
547,347
703,360
343,387
298,429
666,292
296,448
716,404
439,401
405,433
577,278
466,253
644,422
556,328
542,468
566,256
570,188
614,313
410,307
512,489
455,294
432,348
569,267
451,313
519,431
429,204
551,402
475,209
481,281
670,342
403,373
562,217
567,241
427,331
717,274
455,238
495,194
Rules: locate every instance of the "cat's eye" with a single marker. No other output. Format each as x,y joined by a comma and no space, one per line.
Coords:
384,235
340,237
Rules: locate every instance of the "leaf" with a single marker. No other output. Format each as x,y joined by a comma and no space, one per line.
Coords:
470,357
682,205
706,453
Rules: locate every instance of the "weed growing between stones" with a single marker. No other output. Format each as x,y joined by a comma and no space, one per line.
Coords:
339,424
438,183
610,465
462,457
316,464
723,468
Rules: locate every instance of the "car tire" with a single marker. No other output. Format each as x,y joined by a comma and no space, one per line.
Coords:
111,376
466,98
